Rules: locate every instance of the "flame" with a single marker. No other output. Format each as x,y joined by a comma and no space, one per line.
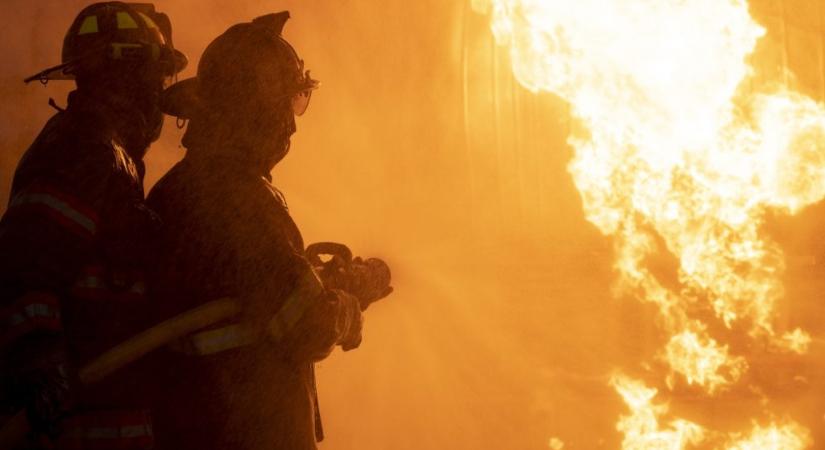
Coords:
643,431
641,428
702,361
785,436
677,156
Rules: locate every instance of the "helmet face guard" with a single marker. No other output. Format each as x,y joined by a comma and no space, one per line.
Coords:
116,32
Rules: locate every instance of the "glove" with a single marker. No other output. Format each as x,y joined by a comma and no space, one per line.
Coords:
355,322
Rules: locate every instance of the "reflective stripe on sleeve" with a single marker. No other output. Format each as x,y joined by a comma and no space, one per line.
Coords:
107,430
308,290
60,207
34,312
219,340
209,342
92,284
233,336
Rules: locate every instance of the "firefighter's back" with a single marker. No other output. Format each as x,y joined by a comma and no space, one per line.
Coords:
225,389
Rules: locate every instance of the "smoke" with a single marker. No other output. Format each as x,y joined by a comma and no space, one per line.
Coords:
421,149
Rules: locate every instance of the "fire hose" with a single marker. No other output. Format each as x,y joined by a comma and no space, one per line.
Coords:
14,431
337,272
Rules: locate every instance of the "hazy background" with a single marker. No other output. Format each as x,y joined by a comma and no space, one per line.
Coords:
421,149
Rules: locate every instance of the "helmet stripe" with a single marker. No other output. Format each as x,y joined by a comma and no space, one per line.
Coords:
125,21
88,26
149,22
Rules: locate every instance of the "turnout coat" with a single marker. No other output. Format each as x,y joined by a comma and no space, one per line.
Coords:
248,383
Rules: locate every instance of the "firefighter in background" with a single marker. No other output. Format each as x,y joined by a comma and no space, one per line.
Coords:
73,238
248,383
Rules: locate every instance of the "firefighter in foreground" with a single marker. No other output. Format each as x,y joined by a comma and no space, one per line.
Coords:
73,237
248,383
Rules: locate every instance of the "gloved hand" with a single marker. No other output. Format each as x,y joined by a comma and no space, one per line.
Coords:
355,322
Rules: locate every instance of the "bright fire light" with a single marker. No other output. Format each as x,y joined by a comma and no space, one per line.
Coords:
678,156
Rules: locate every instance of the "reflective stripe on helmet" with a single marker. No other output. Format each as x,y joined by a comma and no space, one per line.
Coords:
88,26
125,21
101,24
149,22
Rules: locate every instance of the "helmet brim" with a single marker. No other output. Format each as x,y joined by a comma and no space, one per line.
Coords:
181,99
62,72
58,72
180,60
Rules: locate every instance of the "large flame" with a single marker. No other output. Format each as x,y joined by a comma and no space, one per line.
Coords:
677,156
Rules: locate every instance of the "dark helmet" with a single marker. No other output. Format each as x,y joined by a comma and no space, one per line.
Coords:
107,35
250,62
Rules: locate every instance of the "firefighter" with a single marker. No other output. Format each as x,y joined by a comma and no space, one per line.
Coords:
248,383
73,238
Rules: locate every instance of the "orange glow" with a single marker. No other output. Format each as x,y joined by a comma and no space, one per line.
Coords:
677,157
774,436
421,148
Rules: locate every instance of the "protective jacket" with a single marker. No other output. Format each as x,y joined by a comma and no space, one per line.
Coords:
248,383
72,241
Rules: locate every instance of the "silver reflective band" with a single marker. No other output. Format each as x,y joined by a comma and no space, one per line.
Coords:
32,311
58,205
38,310
90,282
128,431
136,431
221,339
138,288
308,290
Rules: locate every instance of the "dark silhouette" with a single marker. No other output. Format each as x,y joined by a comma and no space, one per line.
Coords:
74,237
248,383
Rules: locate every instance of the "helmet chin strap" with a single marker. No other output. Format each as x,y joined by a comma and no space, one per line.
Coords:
135,120
283,145
137,138
254,139
274,148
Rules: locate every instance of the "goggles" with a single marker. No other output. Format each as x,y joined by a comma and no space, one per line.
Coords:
299,101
